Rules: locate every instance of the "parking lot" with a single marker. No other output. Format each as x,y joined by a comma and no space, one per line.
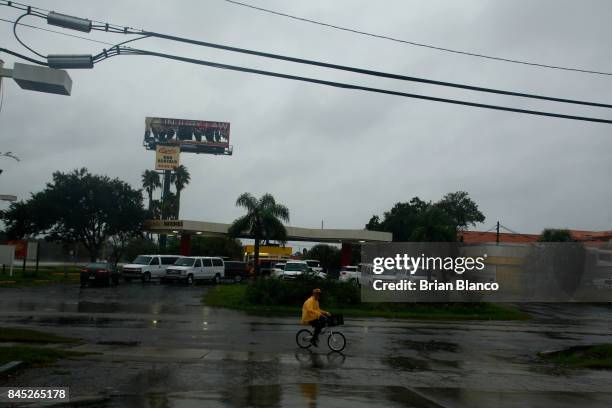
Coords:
157,345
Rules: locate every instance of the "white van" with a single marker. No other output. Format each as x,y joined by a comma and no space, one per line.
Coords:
147,267
194,268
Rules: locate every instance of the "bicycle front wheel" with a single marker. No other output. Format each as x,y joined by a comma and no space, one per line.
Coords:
302,338
336,341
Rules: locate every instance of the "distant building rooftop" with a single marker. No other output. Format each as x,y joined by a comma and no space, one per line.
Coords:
477,237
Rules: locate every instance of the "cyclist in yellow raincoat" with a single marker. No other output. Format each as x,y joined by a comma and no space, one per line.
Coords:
313,315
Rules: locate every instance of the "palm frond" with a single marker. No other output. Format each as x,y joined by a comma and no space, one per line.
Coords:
267,201
273,228
280,211
247,201
240,226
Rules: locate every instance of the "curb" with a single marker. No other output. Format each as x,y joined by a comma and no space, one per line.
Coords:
11,366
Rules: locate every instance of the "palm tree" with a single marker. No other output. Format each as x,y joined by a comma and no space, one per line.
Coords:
150,182
263,220
180,178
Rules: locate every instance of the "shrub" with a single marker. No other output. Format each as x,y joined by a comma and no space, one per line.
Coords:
293,293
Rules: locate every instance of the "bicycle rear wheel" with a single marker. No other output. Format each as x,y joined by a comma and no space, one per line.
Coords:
336,341
302,338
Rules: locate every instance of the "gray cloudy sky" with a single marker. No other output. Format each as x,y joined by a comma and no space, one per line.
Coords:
328,153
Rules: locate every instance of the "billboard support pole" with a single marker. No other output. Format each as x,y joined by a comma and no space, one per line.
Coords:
165,194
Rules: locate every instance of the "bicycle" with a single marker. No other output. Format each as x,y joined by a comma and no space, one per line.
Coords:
335,340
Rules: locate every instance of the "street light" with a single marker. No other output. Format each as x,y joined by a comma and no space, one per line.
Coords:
40,79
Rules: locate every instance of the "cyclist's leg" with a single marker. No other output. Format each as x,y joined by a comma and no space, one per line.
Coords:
318,325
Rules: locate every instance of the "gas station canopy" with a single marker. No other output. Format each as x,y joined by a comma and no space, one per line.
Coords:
187,227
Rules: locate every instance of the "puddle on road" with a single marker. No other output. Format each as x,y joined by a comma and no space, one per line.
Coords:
82,321
558,336
309,359
431,345
406,363
119,343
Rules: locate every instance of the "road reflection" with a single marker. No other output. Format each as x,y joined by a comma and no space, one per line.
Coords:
307,358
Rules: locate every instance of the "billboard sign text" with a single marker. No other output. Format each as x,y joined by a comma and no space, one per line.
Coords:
167,157
191,136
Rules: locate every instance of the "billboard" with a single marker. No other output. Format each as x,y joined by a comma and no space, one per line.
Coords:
191,136
167,157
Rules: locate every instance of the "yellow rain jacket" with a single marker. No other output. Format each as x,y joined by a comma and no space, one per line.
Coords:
311,310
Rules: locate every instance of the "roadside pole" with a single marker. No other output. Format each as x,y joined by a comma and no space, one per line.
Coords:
165,194
37,255
497,234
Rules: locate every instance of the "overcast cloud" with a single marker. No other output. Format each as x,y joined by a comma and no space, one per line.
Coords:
331,154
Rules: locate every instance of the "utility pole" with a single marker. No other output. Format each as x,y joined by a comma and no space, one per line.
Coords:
497,234
165,194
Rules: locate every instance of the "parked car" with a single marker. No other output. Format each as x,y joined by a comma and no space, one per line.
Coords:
196,268
101,273
293,269
236,270
278,270
366,275
314,265
266,266
349,274
147,267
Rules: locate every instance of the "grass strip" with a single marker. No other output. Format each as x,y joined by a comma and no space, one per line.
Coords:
11,334
35,355
233,297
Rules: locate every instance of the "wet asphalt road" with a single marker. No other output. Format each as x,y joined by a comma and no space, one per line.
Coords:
158,346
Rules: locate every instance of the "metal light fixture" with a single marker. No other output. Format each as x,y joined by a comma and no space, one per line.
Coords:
40,79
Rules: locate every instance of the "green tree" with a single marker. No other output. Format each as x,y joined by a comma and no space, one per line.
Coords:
399,220
462,210
432,224
79,207
180,178
556,235
263,220
19,220
210,246
423,221
138,246
169,206
328,255
150,182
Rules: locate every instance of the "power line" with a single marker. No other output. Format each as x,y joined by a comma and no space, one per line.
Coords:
24,57
126,30
385,37
133,51
117,50
56,32
36,10
19,39
369,72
